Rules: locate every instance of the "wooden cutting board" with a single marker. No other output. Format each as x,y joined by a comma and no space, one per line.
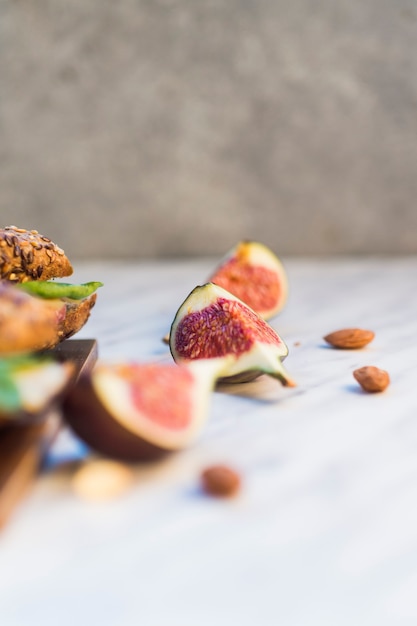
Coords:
22,448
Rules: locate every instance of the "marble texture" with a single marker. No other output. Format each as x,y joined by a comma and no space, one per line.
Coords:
325,529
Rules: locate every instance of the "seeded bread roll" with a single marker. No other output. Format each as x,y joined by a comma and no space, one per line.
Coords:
76,315
28,324
27,255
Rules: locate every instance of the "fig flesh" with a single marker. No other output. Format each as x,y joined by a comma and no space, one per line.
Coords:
212,322
141,411
255,275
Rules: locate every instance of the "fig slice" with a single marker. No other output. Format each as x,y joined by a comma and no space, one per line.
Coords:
212,322
140,411
255,275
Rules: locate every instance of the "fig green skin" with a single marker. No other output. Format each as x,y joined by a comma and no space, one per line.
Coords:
210,293
99,429
244,377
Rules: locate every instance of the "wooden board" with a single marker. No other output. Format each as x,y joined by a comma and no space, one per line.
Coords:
22,448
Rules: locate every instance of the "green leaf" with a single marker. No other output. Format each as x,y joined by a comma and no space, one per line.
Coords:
9,365
54,290
9,394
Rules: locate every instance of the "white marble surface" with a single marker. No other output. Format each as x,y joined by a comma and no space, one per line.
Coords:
325,529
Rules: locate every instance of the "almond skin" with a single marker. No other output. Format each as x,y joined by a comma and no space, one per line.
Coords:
220,481
371,378
350,338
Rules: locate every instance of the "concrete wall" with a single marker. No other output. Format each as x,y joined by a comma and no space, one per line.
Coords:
176,127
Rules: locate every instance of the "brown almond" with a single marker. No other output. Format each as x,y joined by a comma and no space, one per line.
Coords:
371,378
220,481
350,338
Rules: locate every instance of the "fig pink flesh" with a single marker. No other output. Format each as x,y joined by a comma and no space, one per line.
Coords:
224,327
170,408
258,286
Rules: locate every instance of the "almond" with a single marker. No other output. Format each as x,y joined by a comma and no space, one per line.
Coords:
350,338
220,481
372,378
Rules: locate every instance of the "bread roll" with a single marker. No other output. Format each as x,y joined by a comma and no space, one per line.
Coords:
77,313
28,324
27,255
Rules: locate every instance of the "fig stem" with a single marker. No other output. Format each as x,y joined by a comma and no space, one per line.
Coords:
282,375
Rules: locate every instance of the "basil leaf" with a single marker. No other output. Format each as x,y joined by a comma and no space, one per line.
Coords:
51,290
9,394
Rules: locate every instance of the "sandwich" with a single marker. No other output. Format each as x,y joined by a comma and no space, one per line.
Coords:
37,313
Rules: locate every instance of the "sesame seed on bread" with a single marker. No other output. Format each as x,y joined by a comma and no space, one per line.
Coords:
27,255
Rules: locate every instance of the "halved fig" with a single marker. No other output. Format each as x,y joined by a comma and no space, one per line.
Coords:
29,386
255,275
212,322
141,411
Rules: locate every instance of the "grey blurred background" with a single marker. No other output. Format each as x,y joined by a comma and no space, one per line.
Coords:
157,128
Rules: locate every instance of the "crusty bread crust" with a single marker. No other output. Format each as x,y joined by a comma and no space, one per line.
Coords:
32,324
28,324
27,255
76,315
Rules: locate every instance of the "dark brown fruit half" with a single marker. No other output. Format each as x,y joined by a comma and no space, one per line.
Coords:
255,275
212,322
141,411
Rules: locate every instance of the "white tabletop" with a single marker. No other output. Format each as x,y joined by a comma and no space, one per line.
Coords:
324,531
